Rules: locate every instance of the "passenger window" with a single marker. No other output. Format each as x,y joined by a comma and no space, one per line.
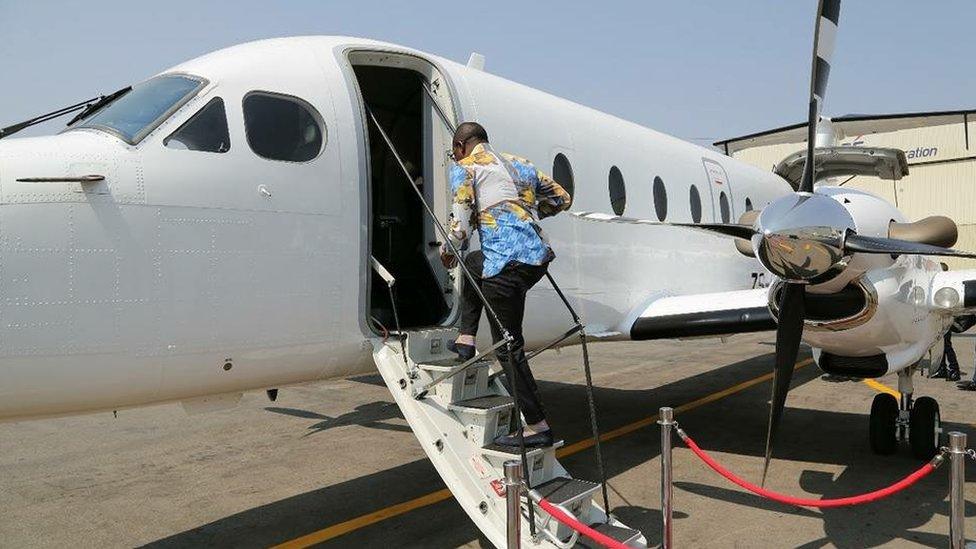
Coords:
280,127
696,205
205,131
723,204
562,172
660,199
618,192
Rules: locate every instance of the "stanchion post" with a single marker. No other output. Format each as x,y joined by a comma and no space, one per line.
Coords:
513,503
667,423
957,476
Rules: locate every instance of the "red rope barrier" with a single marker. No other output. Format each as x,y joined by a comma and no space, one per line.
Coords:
568,520
782,498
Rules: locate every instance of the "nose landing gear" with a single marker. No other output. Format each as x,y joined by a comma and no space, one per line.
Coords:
915,421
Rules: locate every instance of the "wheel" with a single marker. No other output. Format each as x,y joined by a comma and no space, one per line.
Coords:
924,428
884,414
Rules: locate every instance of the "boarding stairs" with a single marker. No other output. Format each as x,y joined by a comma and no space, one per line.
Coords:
456,421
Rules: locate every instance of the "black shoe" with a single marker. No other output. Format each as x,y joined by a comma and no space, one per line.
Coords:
954,376
466,352
966,386
939,374
538,440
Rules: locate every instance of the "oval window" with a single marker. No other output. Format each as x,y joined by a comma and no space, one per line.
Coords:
618,192
562,172
723,204
660,199
281,127
696,206
748,204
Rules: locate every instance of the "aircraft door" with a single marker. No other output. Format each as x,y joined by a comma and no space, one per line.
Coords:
720,189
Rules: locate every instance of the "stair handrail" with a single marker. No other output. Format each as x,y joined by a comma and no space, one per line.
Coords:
390,280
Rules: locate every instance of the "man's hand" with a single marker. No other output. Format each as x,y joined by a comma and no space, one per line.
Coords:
448,259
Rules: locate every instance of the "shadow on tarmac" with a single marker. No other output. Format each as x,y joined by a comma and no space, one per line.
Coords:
371,415
736,425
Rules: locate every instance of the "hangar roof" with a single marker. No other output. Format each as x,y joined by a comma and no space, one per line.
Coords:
850,124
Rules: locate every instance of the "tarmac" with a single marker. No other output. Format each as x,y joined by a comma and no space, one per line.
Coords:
333,464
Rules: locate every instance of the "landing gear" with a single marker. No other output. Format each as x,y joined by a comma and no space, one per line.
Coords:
924,428
884,418
915,421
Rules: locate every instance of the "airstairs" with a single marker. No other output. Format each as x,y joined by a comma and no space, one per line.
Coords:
457,409
456,421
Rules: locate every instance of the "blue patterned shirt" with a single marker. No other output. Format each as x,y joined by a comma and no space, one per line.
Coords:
512,196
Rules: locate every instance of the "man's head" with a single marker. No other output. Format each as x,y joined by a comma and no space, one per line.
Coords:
466,137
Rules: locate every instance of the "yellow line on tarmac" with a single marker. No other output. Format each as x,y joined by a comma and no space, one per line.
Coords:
881,387
368,519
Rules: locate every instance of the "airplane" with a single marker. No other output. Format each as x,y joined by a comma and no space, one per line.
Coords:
241,222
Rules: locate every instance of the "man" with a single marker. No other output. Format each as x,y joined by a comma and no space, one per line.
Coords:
508,195
949,367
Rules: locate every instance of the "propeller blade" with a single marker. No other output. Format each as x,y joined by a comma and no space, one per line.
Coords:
726,229
893,246
789,328
828,14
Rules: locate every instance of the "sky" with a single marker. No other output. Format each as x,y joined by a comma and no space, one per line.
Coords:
699,70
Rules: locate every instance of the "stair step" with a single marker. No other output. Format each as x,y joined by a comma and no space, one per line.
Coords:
447,364
573,495
565,490
484,418
541,461
619,533
484,404
470,384
510,451
429,345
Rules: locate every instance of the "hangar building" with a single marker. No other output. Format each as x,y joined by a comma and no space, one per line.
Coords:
940,148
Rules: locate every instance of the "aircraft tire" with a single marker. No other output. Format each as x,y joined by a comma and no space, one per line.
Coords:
924,428
884,415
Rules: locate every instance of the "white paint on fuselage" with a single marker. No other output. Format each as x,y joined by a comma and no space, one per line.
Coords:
144,287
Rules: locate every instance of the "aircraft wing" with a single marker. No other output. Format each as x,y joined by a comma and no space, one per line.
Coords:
701,315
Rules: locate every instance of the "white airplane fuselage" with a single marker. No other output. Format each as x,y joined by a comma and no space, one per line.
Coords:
184,274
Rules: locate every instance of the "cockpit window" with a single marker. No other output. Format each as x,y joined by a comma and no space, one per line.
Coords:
281,127
205,131
140,111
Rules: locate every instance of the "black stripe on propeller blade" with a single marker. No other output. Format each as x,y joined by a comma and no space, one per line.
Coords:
789,329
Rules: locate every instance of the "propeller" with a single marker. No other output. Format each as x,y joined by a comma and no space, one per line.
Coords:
789,327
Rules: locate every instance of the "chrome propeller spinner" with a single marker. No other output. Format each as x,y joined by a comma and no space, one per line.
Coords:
800,238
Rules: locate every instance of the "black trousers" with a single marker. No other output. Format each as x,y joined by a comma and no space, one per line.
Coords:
949,361
505,292
470,302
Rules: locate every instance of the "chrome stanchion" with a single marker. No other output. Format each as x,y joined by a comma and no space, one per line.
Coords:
513,503
957,476
667,423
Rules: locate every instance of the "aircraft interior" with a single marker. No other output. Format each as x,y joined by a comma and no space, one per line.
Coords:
402,238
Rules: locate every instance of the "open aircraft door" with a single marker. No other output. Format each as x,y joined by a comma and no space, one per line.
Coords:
721,192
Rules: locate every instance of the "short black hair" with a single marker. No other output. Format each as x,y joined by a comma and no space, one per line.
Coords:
470,130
